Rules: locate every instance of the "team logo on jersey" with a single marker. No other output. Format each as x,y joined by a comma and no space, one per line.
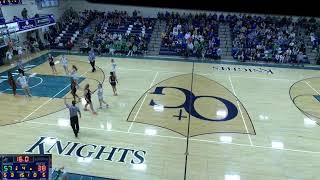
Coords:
192,102
305,96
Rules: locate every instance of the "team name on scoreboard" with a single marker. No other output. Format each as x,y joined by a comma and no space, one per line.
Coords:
243,69
46,145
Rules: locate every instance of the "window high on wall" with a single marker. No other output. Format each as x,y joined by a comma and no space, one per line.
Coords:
47,3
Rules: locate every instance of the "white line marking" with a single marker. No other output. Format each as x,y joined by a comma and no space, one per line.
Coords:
255,146
205,74
180,138
33,75
238,104
142,102
49,100
234,92
115,131
312,88
245,124
29,66
148,70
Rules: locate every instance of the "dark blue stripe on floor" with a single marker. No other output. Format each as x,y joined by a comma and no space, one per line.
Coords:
74,176
317,97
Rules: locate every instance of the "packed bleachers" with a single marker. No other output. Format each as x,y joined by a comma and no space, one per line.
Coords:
268,39
67,32
312,28
119,33
253,38
191,35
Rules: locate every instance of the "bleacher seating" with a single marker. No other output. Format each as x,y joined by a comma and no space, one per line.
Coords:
266,39
73,24
118,33
191,35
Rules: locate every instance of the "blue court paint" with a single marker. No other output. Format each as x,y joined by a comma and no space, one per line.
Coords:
317,97
28,65
40,85
43,86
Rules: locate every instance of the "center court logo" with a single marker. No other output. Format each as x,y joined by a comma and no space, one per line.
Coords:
209,106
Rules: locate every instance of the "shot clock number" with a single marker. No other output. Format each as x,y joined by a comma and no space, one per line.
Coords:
23,159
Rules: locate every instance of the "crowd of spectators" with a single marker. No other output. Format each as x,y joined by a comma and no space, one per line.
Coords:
192,35
119,33
256,38
75,21
266,38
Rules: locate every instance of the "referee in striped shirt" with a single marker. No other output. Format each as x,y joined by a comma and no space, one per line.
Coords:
74,111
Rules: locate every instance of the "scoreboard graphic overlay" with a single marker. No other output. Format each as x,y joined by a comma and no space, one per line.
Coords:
19,166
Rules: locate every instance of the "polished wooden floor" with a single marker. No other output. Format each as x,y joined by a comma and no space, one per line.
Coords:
272,135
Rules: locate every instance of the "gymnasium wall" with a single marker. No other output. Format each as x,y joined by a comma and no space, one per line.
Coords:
81,5
10,11
30,5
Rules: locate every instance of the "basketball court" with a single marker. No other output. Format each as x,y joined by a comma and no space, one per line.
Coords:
172,119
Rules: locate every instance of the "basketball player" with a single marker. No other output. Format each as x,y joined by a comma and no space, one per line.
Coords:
52,65
64,62
20,66
12,83
74,121
74,75
100,96
23,82
113,67
9,56
20,52
92,59
87,96
74,90
10,45
113,82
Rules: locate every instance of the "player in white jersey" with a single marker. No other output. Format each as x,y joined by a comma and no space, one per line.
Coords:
20,52
114,67
9,57
100,96
23,82
64,62
74,74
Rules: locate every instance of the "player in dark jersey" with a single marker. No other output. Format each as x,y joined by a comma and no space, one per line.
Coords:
87,96
12,83
52,65
74,90
113,82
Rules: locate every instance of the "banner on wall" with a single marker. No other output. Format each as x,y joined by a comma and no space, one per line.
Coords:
27,24
37,22
13,27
